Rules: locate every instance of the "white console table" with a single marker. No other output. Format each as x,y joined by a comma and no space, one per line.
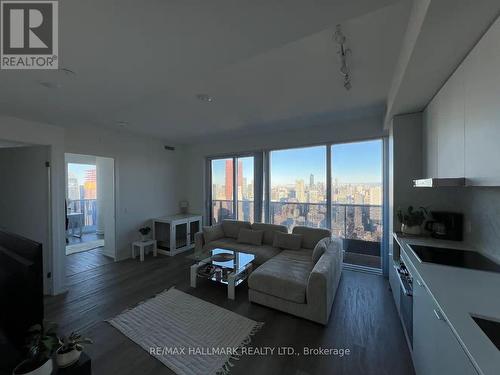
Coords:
175,234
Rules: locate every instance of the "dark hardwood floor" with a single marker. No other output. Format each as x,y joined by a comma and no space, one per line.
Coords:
363,320
85,261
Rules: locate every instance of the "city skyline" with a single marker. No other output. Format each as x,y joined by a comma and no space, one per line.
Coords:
358,162
298,190
82,182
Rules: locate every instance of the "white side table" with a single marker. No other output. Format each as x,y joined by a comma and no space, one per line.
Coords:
142,245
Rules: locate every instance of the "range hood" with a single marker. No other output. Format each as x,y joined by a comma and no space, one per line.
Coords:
439,182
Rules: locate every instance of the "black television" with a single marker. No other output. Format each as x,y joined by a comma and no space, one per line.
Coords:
21,295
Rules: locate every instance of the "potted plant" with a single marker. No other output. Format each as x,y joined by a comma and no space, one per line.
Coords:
144,231
412,220
71,348
42,342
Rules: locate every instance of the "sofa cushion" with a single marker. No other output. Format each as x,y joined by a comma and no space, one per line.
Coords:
311,235
251,237
262,253
287,241
223,243
232,227
213,233
269,231
284,276
320,249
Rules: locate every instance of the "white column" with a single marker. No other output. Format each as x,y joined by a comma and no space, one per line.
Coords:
100,196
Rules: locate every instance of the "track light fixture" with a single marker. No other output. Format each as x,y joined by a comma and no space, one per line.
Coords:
343,52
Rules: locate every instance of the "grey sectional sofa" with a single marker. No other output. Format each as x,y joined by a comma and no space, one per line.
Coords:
302,281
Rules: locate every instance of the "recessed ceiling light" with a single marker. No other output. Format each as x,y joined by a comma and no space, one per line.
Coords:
51,85
204,98
122,124
67,71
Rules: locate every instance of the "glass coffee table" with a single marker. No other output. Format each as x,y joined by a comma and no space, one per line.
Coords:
225,267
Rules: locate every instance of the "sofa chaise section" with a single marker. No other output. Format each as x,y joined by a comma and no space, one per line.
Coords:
293,283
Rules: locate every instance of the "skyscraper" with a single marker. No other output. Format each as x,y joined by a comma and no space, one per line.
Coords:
311,181
229,179
90,184
300,190
73,188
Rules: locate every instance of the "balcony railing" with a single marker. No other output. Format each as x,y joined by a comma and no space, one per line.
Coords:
88,207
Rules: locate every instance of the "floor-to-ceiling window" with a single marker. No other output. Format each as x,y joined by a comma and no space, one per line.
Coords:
297,181
232,188
334,186
357,194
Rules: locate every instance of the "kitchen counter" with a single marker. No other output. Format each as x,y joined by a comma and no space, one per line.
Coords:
460,292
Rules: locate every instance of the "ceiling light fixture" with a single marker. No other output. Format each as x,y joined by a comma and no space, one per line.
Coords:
204,98
122,124
343,52
51,85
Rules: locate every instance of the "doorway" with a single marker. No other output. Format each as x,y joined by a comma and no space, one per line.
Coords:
90,212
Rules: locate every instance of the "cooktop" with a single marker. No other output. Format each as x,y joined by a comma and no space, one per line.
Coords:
455,258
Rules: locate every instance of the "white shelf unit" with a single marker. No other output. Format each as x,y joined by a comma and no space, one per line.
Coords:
175,234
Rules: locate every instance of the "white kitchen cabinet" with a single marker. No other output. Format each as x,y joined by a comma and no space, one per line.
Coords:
461,125
430,139
482,110
444,124
450,127
175,234
436,350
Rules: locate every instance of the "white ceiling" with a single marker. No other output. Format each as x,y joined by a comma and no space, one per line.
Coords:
264,62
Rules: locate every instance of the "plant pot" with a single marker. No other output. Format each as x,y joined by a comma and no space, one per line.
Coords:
25,369
414,230
68,358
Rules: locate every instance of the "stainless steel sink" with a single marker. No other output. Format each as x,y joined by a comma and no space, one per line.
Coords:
490,327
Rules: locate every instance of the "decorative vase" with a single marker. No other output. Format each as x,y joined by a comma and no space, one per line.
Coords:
143,238
414,230
67,359
45,369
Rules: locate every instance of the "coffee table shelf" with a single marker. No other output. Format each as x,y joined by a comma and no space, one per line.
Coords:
231,272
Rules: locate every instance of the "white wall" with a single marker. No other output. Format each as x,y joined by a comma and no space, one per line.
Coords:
345,131
146,176
24,131
24,196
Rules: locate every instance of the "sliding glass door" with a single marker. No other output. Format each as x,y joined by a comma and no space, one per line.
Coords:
357,194
232,188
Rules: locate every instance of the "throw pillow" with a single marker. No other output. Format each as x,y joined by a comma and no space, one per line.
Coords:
319,249
213,233
251,237
287,241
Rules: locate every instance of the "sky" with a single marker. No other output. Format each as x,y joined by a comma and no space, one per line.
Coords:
359,162
78,171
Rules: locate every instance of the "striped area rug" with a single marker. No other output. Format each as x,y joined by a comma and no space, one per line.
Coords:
188,335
